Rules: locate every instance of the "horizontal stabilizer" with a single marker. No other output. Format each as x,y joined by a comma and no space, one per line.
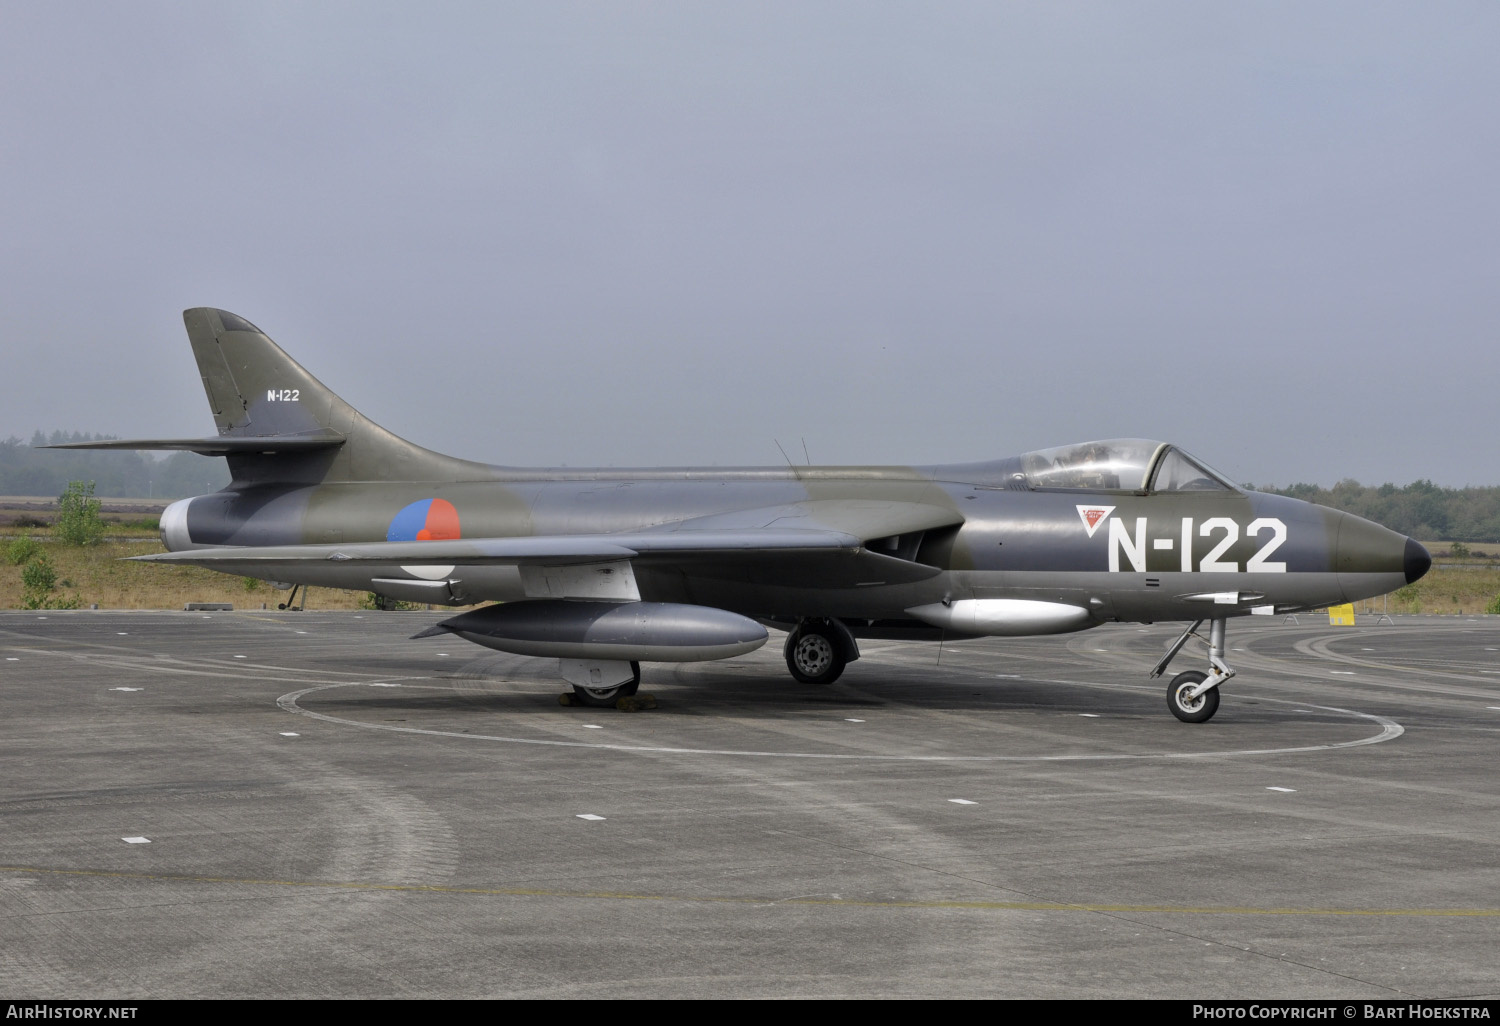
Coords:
223,445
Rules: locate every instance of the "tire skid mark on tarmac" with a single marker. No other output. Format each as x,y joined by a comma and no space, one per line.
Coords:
545,892
1389,730
1322,648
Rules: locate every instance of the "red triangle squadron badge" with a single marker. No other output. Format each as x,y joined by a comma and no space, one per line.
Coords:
1093,516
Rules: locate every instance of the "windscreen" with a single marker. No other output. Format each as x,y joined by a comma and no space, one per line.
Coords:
1179,472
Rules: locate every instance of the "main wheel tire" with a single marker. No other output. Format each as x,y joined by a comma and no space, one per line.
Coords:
814,655
605,698
1192,710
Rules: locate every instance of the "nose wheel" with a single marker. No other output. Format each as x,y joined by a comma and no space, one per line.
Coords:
1189,704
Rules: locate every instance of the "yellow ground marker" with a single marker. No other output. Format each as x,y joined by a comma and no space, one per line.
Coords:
1341,616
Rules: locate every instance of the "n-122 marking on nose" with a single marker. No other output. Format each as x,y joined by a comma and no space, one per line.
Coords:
1134,547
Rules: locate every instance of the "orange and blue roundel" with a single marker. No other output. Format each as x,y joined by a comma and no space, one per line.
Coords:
427,520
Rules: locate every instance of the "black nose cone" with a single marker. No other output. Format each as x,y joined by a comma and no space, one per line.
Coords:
1417,561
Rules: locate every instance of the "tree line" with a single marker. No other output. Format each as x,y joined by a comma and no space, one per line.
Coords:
26,469
1420,510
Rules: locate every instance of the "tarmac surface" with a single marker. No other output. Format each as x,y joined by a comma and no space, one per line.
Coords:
311,805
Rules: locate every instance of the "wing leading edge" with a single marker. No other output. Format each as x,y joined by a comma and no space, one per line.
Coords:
543,549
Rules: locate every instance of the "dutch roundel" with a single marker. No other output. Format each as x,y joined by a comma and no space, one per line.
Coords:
426,520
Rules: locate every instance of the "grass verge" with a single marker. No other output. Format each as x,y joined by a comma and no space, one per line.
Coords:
99,574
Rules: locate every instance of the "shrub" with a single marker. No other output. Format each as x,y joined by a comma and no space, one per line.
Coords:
78,520
38,578
22,549
1494,606
371,600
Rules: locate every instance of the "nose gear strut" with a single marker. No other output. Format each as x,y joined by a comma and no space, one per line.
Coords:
1193,696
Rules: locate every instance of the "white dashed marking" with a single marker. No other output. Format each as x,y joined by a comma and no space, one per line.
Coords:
136,840
1283,790
126,689
592,726
288,733
589,816
851,719
1092,716
962,801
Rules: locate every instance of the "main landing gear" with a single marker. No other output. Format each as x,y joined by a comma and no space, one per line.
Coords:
818,650
1193,696
606,697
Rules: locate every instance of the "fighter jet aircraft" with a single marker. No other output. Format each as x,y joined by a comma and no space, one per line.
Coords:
605,569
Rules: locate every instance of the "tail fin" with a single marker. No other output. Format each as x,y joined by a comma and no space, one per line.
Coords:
260,394
280,425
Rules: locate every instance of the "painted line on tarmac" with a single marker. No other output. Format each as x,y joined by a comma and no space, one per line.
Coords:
1389,730
831,901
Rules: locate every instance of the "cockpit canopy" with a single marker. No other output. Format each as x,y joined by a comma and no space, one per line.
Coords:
1120,464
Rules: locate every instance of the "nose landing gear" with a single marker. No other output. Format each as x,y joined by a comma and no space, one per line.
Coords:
1193,696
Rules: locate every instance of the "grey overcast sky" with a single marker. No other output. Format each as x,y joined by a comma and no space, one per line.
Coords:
669,233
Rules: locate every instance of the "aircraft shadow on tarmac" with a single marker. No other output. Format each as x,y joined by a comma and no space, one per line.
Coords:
508,687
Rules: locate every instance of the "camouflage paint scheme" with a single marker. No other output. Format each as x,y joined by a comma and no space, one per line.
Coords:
323,496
